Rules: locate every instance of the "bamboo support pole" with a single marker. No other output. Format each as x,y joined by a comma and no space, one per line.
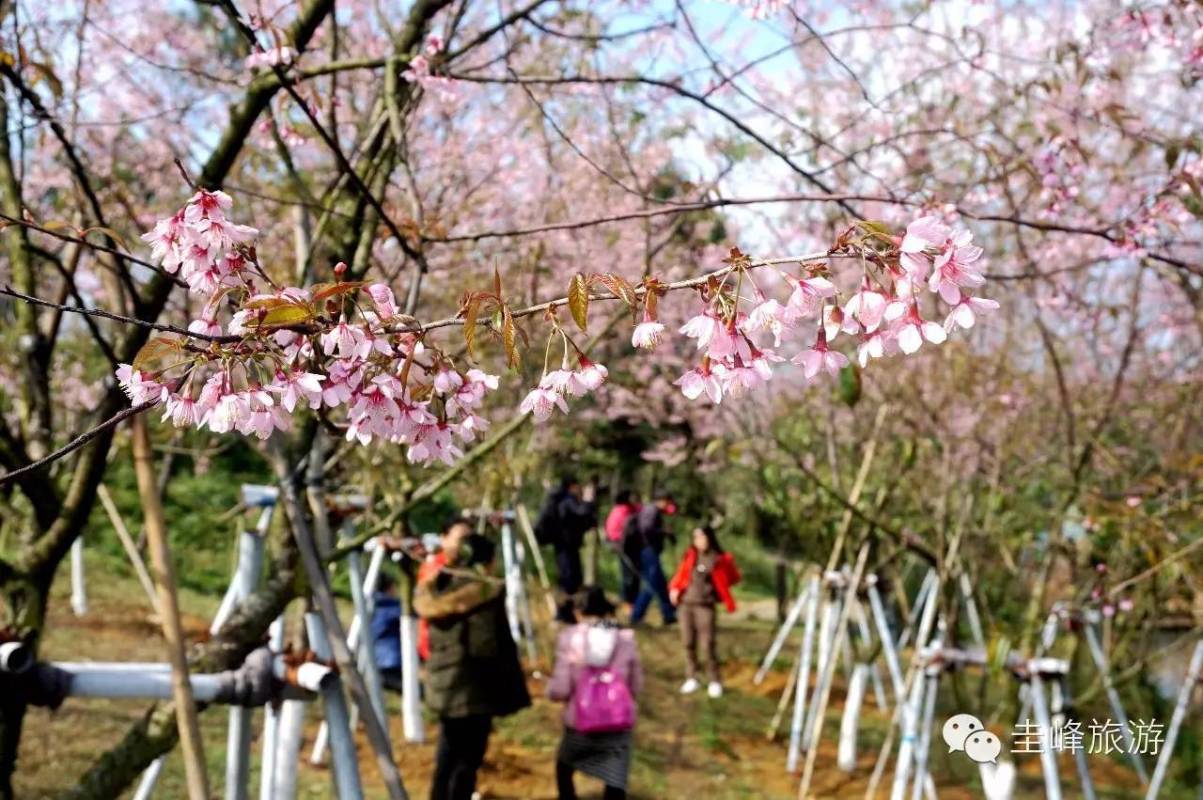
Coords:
169,612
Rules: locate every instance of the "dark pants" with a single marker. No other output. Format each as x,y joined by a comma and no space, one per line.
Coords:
568,792
391,679
698,629
628,564
655,586
461,751
571,575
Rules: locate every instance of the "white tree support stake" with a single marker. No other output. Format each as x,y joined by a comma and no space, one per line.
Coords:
238,733
790,619
923,747
317,756
411,700
271,721
1117,708
1059,707
1171,736
513,582
1048,759
825,666
811,597
79,593
288,750
338,718
887,642
367,655
846,754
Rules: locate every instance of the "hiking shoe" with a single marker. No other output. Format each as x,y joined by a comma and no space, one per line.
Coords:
690,686
715,689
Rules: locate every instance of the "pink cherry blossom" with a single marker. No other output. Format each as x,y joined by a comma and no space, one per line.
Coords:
820,357
138,387
648,335
867,307
698,381
383,300
964,314
591,376
912,330
541,402
772,317
298,386
447,381
703,327
808,294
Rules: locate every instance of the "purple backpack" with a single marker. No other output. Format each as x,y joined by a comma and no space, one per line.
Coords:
602,702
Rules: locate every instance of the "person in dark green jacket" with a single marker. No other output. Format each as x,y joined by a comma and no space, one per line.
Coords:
473,673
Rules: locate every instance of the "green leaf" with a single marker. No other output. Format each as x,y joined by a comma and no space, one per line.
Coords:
850,386
282,316
578,300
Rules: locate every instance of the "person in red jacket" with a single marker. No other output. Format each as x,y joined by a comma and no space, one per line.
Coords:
704,577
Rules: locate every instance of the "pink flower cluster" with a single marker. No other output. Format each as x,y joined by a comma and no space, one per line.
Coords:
555,386
419,72
381,384
883,314
274,57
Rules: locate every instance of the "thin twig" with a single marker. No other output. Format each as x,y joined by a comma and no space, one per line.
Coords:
77,442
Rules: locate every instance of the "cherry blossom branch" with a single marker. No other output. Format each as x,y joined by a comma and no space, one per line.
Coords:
687,283
66,237
8,291
77,442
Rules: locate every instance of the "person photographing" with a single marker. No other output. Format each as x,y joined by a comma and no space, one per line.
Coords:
473,671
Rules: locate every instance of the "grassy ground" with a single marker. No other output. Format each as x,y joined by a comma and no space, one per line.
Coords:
685,747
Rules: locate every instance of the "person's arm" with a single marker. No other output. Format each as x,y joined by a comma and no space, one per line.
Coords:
433,604
560,686
680,581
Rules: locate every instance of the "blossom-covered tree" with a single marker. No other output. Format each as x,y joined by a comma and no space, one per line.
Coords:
413,233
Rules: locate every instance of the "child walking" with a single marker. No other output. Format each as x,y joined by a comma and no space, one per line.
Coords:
597,675
705,576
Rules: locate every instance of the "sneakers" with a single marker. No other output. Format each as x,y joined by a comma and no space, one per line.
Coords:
715,690
690,686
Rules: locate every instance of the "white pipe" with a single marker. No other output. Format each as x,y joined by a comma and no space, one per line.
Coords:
887,644
288,750
411,700
998,779
846,754
238,732
909,725
1117,708
975,621
121,683
825,667
921,597
150,777
1084,781
922,777
1048,759
367,653
317,756
79,594
338,719
1188,686
15,657
513,582
271,720
790,619
811,597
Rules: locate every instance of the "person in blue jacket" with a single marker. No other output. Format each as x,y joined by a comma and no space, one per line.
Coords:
386,631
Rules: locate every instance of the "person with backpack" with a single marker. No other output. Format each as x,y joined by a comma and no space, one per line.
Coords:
385,629
704,577
644,539
567,515
626,506
597,675
473,673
